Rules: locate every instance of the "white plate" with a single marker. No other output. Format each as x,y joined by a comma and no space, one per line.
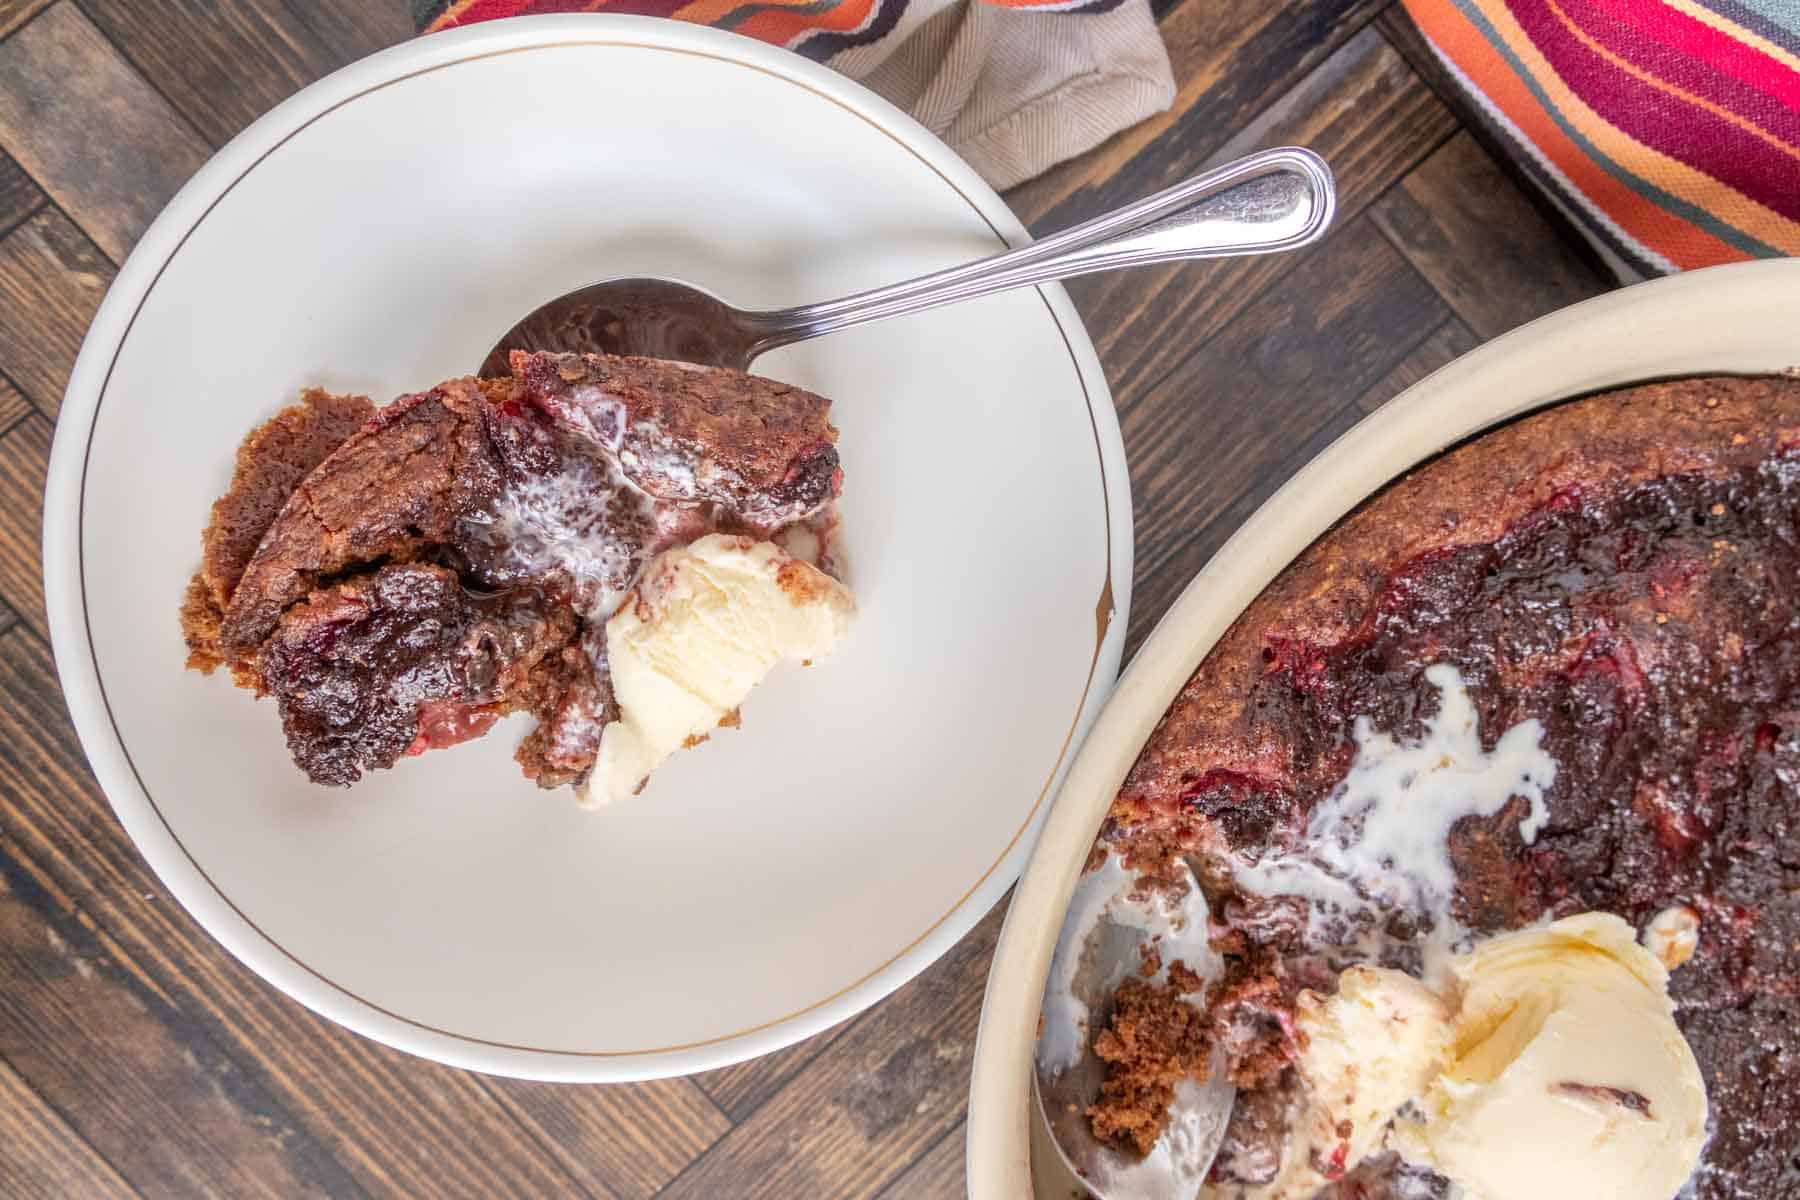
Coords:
1736,319
376,233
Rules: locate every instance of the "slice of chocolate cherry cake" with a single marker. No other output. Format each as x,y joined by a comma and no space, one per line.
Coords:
1587,624
401,578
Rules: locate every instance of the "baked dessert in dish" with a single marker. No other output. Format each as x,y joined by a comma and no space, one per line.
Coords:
1505,766
401,578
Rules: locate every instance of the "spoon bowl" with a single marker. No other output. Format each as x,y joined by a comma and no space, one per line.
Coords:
646,315
1109,925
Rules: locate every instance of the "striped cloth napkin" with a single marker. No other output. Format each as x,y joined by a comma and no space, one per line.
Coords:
1014,86
1668,131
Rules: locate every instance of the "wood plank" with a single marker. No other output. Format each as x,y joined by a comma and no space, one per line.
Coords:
1447,342
1230,62
1372,120
624,1140
44,1158
1404,36
1217,429
739,1089
1463,225
939,1172
852,1121
24,458
224,65
399,1125
51,281
88,128
1216,528
19,196
1211,531
14,13
13,405
166,1105
351,29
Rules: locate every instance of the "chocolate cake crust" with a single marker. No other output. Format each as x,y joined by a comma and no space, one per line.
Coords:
401,580
400,485
271,462
763,449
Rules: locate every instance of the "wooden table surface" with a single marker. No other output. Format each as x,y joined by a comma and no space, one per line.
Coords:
136,1057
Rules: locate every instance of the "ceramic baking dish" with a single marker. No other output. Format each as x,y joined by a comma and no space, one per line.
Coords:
1739,319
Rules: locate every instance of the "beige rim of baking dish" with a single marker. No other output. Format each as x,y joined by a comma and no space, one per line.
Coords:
1738,319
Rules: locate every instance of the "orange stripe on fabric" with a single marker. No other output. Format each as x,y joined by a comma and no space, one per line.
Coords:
780,25
776,26
776,12
705,12
1670,89
1732,29
1676,239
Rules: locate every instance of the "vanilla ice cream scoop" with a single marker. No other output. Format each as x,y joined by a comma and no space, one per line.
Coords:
1568,1076
1366,1050
704,625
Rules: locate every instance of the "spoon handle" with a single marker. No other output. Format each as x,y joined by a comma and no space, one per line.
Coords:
1274,200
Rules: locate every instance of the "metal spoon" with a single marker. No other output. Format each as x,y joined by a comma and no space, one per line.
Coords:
1105,931
1275,200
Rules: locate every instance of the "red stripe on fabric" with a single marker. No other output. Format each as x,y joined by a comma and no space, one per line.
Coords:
1690,34
1748,63
635,8
1596,193
473,11
1680,129
1771,97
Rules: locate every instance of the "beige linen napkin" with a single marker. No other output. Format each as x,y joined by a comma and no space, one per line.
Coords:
1013,90
1013,87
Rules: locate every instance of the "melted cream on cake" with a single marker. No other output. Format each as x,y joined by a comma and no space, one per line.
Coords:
563,524
1379,843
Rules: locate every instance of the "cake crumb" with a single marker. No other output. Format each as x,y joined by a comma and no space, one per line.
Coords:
1154,1040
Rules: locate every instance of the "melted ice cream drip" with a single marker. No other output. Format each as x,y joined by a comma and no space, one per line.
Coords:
1378,845
665,470
561,523
570,513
